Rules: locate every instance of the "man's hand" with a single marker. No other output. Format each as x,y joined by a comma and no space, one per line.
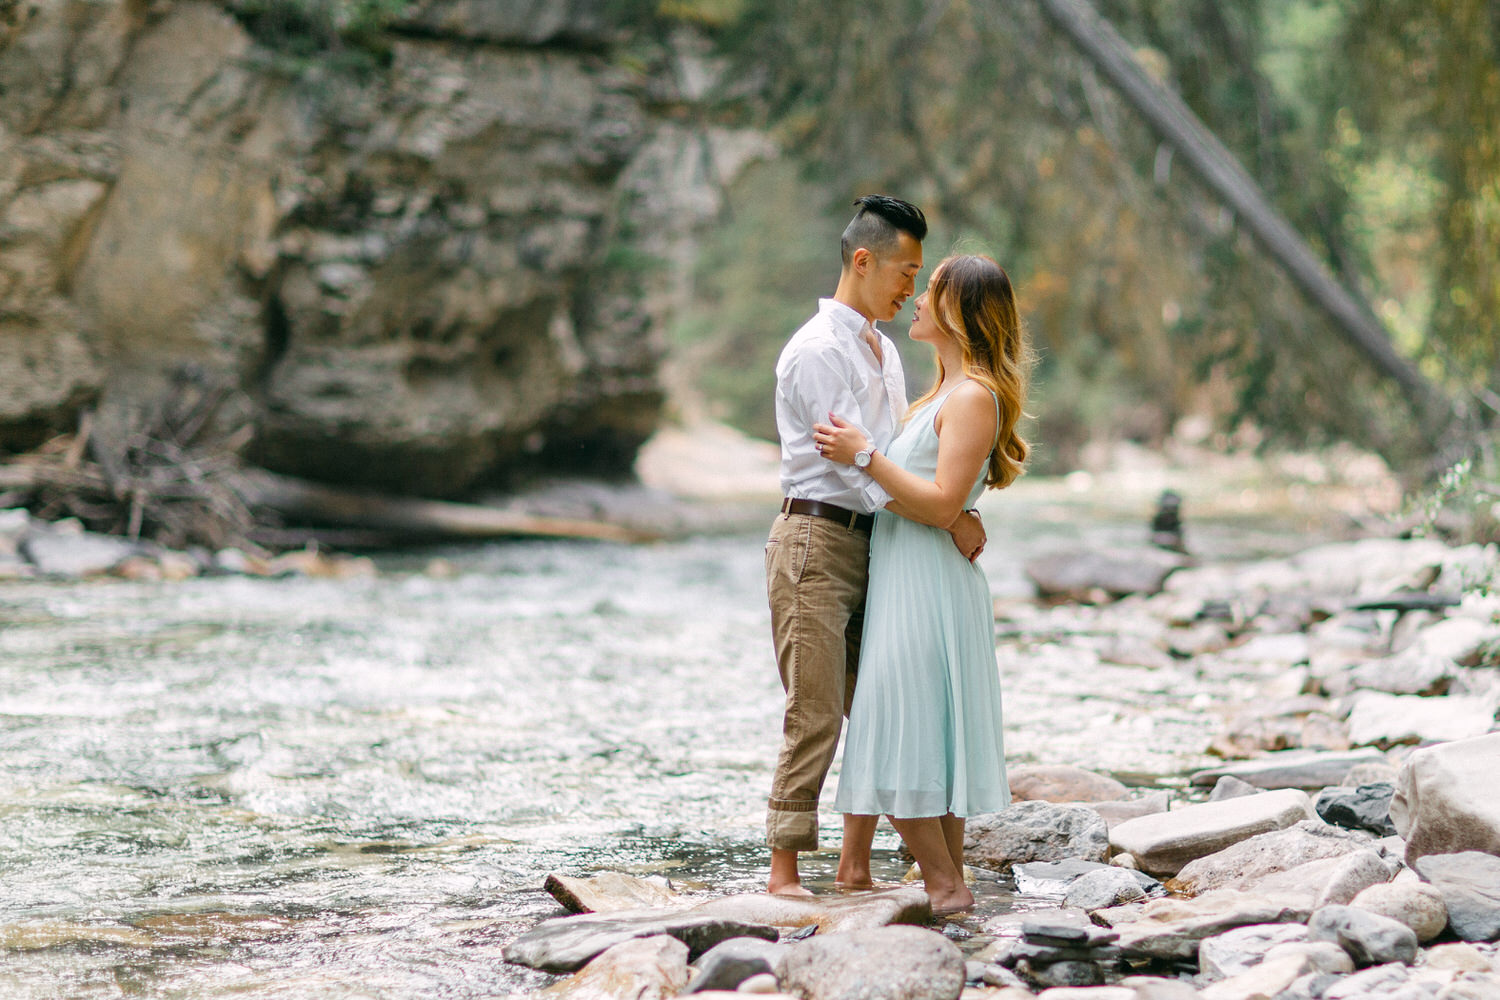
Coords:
968,534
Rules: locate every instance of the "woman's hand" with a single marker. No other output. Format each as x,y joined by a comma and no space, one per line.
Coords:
838,440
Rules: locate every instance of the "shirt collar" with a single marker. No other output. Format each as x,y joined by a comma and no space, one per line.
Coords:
845,318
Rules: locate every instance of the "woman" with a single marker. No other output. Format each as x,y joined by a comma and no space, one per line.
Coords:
924,745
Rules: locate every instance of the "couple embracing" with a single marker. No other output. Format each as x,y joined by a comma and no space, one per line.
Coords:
870,564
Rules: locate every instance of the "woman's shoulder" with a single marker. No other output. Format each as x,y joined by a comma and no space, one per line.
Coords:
972,394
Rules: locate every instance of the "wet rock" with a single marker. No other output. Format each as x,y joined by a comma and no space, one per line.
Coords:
650,968
1470,884
75,555
1369,938
1458,957
1086,575
1231,953
1448,798
1108,886
883,963
728,964
1418,905
1351,875
1065,934
1265,979
1230,787
1292,768
1163,844
608,892
565,944
1036,831
825,915
1123,809
1052,878
1387,720
1253,860
1367,807
1061,783
1170,929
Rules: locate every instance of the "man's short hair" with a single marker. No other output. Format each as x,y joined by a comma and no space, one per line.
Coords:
878,224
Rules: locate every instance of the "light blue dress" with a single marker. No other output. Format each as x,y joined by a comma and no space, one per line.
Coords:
924,729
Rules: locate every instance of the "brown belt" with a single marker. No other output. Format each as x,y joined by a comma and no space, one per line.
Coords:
833,512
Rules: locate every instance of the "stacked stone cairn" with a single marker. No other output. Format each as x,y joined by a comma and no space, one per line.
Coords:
1347,848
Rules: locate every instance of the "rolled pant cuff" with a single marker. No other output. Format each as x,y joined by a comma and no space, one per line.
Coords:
792,825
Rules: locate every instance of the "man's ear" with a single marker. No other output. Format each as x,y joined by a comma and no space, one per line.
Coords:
861,261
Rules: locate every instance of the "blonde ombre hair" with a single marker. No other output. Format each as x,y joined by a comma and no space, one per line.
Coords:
972,301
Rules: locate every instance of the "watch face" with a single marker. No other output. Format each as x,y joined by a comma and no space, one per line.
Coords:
862,458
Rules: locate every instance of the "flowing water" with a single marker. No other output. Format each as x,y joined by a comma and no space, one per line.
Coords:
354,788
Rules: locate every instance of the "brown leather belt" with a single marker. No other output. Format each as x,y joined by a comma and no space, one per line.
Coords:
833,512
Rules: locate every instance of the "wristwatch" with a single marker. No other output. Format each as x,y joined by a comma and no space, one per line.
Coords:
862,458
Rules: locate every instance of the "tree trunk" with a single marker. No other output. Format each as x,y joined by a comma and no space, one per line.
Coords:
1175,122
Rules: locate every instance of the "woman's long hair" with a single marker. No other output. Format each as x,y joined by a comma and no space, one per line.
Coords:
972,301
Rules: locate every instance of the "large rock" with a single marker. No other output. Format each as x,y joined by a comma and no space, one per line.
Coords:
1036,831
1387,720
1086,574
651,968
1171,929
423,275
1418,905
885,963
829,914
1304,769
1369,938
1252,861
1061,783
1448,798
565,944
1164,843
609,891
1470,884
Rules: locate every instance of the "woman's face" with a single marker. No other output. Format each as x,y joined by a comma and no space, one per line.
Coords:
924,328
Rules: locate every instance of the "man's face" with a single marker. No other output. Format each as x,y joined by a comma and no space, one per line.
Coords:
892,279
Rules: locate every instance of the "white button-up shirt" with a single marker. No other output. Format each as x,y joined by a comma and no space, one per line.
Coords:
827,367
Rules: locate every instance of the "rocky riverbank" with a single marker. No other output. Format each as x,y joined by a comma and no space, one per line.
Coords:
1349,846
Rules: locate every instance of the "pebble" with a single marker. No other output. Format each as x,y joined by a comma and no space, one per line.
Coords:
1418,905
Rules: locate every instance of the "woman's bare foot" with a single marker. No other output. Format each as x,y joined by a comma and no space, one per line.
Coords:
954,901
853,876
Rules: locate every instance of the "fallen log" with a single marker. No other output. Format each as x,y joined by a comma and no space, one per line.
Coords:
301,500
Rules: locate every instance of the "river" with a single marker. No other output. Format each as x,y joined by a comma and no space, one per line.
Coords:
354,788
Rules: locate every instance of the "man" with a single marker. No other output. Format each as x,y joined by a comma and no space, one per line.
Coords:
817,556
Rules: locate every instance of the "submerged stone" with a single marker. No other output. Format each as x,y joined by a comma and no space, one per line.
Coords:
565,944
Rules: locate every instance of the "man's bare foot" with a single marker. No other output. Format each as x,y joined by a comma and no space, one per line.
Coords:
946,903
788,889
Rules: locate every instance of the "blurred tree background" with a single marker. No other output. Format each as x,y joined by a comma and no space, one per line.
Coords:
1373,126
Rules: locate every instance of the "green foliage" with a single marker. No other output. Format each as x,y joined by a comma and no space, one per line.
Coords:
342,34
1461,506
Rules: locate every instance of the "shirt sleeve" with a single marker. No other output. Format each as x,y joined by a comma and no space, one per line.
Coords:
820,386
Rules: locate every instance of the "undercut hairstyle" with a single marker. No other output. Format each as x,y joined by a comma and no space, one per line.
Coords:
878,226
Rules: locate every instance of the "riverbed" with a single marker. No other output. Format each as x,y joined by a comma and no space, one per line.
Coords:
354,788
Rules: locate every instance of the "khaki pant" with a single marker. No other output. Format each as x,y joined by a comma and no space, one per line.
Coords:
816,570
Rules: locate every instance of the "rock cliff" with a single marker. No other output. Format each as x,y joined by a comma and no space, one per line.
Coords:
421,276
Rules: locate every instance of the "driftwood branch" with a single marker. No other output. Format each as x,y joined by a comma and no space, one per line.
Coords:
312,502
1175,122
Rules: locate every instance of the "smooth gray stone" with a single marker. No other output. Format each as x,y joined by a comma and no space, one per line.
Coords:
1067,934
1041,954
1367,807
1369,938
1306,769
1036,831
1447,798
1052,878
882,963
71,555
1234,951
565,944
1230,787
1061,974
1470,884
1107,887
731,962
1418,905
